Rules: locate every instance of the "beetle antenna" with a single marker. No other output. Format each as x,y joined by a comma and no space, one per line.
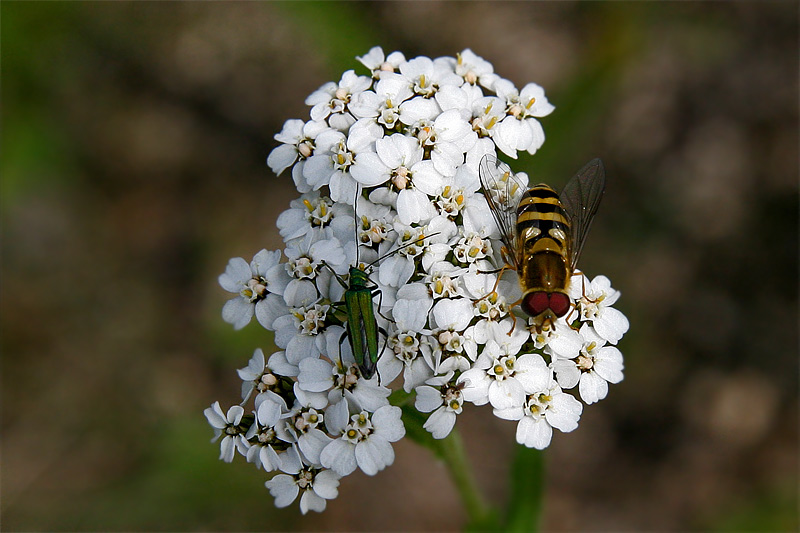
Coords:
406,245
356,221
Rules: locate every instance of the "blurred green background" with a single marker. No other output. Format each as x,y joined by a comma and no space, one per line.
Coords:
133,167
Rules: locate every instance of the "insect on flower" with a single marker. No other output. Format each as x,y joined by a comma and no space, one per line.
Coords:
542,233
362,327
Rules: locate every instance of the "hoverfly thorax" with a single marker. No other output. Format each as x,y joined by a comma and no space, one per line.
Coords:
542,232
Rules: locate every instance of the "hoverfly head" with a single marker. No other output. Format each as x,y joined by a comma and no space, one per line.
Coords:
535,303
545,308
559,303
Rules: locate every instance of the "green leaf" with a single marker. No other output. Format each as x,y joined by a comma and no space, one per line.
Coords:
527,490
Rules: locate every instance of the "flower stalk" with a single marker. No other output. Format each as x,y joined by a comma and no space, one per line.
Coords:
458,464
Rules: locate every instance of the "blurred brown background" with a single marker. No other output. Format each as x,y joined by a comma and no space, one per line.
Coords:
134,145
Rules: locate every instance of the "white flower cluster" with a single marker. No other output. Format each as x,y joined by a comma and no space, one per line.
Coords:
389,162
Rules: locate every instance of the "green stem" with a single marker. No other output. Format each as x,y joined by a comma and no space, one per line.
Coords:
455,457
527,491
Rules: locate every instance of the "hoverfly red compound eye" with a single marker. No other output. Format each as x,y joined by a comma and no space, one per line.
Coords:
559,303
535,303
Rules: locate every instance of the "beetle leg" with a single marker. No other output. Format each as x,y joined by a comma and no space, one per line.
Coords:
380,302
341,363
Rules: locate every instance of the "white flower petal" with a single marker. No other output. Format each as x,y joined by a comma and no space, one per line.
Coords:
505,394
416,374
269,309
388,423
337,416
446,157
534,433
476,389
567,343
514,412
369,170
315,375
592,387
215,416
301,347
411,315
235,414
291,463
440,423
282,158
453,314
283,488
532,373
281,366
567,373
536,135
255,367
428,399
326,484
369,395
343,187
418,109
340,457
291,132
564,412
414,206
373,455
310,501
227,448
238,312
612,325
236,274
312,443
608,364
269,413
426,178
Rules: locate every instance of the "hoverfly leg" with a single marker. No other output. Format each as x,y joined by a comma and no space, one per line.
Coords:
513,324
583,288
513,316
497,281
573,308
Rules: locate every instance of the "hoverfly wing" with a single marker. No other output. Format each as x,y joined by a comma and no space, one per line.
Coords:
580,198
502,191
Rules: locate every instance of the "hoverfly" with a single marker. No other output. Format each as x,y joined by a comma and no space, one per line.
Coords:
542,233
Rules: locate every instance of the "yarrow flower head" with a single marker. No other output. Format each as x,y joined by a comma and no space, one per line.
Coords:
395,276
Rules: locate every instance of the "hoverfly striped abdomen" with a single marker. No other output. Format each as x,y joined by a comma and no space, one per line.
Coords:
542,224
542,228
